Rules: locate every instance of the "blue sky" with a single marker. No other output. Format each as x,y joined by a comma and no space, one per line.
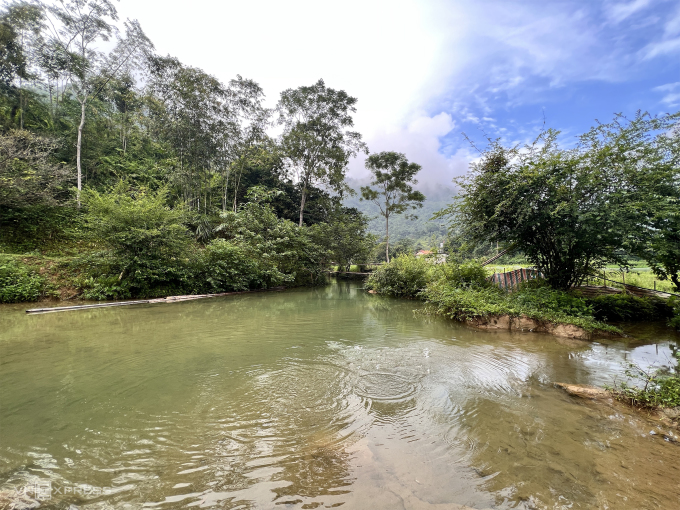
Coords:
572,61
427,70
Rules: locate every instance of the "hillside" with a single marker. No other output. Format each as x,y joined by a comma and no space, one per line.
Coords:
421,229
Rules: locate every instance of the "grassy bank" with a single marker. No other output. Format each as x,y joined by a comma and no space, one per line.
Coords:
650,388
461,292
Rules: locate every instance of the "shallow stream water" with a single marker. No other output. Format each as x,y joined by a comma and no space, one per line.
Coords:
318,398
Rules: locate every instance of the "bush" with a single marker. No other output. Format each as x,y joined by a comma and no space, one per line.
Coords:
533,300
149,246
467,274
626,307
404,276
659,388
18,283
537,296
229,267
674,304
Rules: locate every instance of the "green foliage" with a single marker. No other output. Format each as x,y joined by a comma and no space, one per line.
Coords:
147,240
290,249
626,307
18,283
316,140
572,211
650,388
345,238
674,303
467,274
535,302
403,276
226,267
462,292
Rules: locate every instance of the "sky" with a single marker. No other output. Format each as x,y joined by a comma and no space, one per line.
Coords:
427,71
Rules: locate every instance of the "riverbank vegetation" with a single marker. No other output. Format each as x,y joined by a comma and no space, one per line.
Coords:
127,174
462,291
652,388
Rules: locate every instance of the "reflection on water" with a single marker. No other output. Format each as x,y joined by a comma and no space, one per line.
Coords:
319,398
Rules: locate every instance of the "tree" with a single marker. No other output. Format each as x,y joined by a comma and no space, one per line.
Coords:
345,237
394,177
643,155
79,25
212,128
315,140
20,28
547,202
28,174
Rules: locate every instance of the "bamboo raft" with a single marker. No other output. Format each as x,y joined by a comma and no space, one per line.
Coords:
169,299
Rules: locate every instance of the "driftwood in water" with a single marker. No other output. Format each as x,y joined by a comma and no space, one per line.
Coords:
169,299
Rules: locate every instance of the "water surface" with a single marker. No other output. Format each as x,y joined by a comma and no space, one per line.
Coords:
318,398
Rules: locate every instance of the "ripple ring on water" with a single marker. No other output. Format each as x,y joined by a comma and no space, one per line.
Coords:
385,387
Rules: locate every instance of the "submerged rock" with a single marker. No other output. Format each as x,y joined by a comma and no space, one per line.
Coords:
15,500
666,416
584,391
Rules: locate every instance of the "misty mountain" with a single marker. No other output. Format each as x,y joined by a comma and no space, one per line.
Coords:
421,229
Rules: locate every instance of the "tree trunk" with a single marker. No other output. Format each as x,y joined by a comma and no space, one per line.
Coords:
226,188
302,203
238,183
387,239
78,149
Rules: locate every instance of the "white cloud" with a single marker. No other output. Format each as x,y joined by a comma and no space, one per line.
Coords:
409,60
671,93
619,11
420,141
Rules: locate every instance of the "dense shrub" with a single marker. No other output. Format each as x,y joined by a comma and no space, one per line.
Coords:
151,252
226,266
537,295
18,283
273,240
626,307
466,274
536,302
404,276
674,303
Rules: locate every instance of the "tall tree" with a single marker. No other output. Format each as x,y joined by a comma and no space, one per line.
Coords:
20,27
77,29
642,155
393,178
213,128
316,141
549,203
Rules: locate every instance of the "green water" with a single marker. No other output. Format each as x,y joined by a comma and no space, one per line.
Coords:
317,398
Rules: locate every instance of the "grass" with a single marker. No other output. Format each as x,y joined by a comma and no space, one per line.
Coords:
640,276
650,388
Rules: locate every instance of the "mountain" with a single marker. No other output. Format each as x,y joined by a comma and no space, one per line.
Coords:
421,229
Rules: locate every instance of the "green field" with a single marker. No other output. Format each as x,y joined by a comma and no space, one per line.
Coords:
640,276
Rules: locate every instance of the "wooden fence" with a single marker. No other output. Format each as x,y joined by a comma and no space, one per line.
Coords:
512,279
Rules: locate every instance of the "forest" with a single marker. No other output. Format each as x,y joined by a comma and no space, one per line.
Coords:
125,173
131,174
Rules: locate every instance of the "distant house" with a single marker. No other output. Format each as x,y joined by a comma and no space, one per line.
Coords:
434,258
